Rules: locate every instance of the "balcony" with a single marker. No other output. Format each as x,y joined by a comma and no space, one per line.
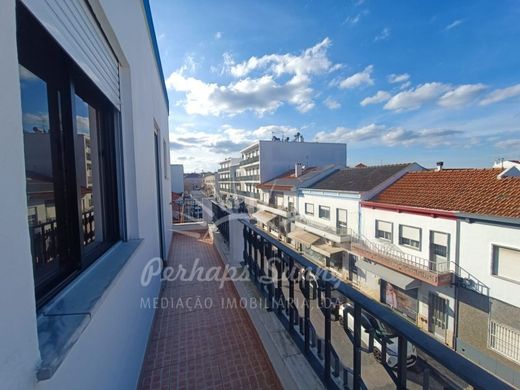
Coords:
250,160
435,274
248,178
284,212
335,234
248,194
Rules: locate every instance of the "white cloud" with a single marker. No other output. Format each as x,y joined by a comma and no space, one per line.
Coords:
461,95
354,19
501,94
39,120
453,24
397,136
358,79
313,60
398,78
347,135
383,35
379,97
511,144
414,98
331,103
263,94
218,35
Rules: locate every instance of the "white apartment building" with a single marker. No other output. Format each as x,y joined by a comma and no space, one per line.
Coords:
278,197
177,178
329,211
264,160
84,77
227,177
448,258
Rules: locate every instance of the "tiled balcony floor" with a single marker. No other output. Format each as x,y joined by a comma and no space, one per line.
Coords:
204,347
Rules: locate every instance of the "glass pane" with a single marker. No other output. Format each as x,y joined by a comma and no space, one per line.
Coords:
87,171
40,176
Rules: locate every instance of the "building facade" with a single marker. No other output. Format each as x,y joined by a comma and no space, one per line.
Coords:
264,160
457,233
177,178
80,224
227,177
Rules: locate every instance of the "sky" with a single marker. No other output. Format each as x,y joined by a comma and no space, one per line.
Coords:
398,81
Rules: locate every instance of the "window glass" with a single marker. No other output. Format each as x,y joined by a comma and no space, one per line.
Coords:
384,230
43,183
324,212
309,208
506,263
410,236
87,171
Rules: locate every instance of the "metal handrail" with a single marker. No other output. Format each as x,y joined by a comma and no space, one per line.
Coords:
340,231
249,160
274,206
405,331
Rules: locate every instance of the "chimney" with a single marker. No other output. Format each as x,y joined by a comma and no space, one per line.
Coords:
440,164
298,169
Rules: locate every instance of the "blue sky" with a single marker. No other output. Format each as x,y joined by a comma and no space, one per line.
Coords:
396,80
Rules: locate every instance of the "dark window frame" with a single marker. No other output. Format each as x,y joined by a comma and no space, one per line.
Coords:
324,208
40,54
382,237
407,242
307,212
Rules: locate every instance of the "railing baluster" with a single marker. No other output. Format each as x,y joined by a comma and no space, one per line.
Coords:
279,271
402,353
306,315
291,294
326,369
357,346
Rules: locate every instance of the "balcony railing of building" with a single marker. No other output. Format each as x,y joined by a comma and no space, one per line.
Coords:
338,230
249,194
221,219
275,206
248,178
224,169
249,160
272,264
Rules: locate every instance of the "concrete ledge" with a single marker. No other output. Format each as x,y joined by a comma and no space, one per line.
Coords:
291,366
189,226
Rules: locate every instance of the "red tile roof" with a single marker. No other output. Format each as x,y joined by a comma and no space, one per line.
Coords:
476,191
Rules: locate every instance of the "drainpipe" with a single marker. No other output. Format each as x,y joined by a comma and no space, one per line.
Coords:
457,306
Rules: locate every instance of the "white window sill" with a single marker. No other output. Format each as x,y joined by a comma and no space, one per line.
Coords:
62,321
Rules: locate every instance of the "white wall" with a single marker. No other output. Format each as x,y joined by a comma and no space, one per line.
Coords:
109,353
177,178
476,256
334,200
19,354
426,223
279,157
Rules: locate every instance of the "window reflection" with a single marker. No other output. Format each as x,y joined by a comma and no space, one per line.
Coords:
87,170
40,175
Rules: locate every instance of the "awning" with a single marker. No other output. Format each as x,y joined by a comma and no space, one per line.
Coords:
303,236
264,216
397,279
326,249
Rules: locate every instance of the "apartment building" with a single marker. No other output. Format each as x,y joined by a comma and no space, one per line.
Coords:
448,258
85,160
210,183
277,203
329,212
264,160
227,177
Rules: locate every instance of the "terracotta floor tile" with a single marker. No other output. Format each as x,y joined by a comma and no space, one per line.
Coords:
202,346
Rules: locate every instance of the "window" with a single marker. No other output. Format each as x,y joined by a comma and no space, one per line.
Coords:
324,212
384,230
504,340
439,252
309,209
70,161
341,216
506,263
410,236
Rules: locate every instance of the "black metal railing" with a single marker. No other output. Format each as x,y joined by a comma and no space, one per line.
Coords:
277,269
221,219
44,242
248,178
87,221
249,194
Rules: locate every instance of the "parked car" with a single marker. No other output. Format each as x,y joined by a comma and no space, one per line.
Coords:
381,333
